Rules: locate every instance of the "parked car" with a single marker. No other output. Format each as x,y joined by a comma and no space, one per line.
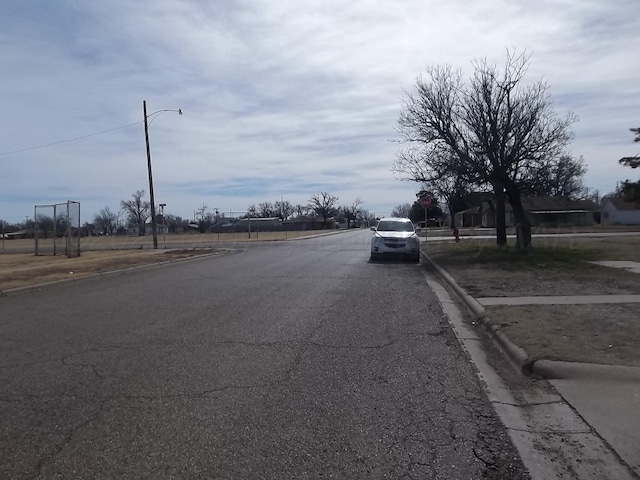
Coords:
395,237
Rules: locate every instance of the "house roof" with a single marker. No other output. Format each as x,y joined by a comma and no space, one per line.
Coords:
556,204
469,210
304,218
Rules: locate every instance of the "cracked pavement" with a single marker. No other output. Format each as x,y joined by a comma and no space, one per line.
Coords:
289,360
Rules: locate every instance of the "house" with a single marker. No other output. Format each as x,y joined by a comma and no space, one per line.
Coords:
20,234
257,224
615,211
471,217
559,211
543,211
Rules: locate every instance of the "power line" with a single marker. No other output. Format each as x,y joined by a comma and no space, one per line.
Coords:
70,139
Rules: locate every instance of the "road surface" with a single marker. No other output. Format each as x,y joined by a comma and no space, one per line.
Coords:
284,360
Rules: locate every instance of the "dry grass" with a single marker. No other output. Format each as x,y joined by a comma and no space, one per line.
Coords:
555,266
19,266
19,270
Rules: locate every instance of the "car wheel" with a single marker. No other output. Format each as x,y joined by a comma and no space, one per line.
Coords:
374,257
416,259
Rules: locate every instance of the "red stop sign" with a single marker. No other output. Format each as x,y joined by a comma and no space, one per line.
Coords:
425,202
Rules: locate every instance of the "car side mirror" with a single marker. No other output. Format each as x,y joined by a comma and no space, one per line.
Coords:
373,229
418,229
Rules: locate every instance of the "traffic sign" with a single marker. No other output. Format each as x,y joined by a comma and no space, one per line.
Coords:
425,202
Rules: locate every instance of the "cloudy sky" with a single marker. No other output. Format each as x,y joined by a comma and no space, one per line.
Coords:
280,97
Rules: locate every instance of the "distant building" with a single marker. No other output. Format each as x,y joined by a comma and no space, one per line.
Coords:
615,211
544,211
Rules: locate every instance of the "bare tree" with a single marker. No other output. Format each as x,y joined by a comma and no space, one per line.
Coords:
137,210
284,209
106,221
300,210
402,210
267,210
204,219
350,212
324,204
561,177
493,130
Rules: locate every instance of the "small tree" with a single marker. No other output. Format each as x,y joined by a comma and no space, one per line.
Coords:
402,210
350,212
283,209
204,219
137,211
324,204
301,210
45,224
267,210
106,221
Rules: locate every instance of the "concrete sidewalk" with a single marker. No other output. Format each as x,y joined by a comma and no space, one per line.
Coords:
607,397
558,300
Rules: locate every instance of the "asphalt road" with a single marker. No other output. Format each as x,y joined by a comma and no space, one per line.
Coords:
284,360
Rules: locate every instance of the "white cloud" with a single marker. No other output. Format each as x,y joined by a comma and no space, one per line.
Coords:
292,96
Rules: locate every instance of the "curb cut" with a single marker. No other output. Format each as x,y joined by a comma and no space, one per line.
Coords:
38,286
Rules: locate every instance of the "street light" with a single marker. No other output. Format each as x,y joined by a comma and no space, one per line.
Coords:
146,137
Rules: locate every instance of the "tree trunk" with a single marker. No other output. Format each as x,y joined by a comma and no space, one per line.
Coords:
452,215
523,225
501,226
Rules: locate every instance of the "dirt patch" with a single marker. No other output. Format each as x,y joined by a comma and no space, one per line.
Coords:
597,333
577,333
19,270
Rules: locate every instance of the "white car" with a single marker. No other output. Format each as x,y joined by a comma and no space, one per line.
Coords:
395,236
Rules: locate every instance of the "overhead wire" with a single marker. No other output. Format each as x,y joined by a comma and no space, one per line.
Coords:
35,147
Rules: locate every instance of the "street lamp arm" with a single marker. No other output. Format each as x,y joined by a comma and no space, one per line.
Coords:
157,113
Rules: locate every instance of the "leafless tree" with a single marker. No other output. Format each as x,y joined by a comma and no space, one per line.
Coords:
324,204
137,210
283,209
493,130
561,177
267,210
402,210
106,221
300,210
350,212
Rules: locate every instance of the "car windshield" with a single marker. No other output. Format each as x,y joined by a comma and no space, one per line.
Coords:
394,226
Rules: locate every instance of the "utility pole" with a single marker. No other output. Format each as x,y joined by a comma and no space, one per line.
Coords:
153,205
164,229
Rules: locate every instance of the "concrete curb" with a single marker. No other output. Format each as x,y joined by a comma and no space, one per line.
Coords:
38,286
549,369
515,354
555,369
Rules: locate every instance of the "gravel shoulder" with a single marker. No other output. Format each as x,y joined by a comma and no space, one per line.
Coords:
607,334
